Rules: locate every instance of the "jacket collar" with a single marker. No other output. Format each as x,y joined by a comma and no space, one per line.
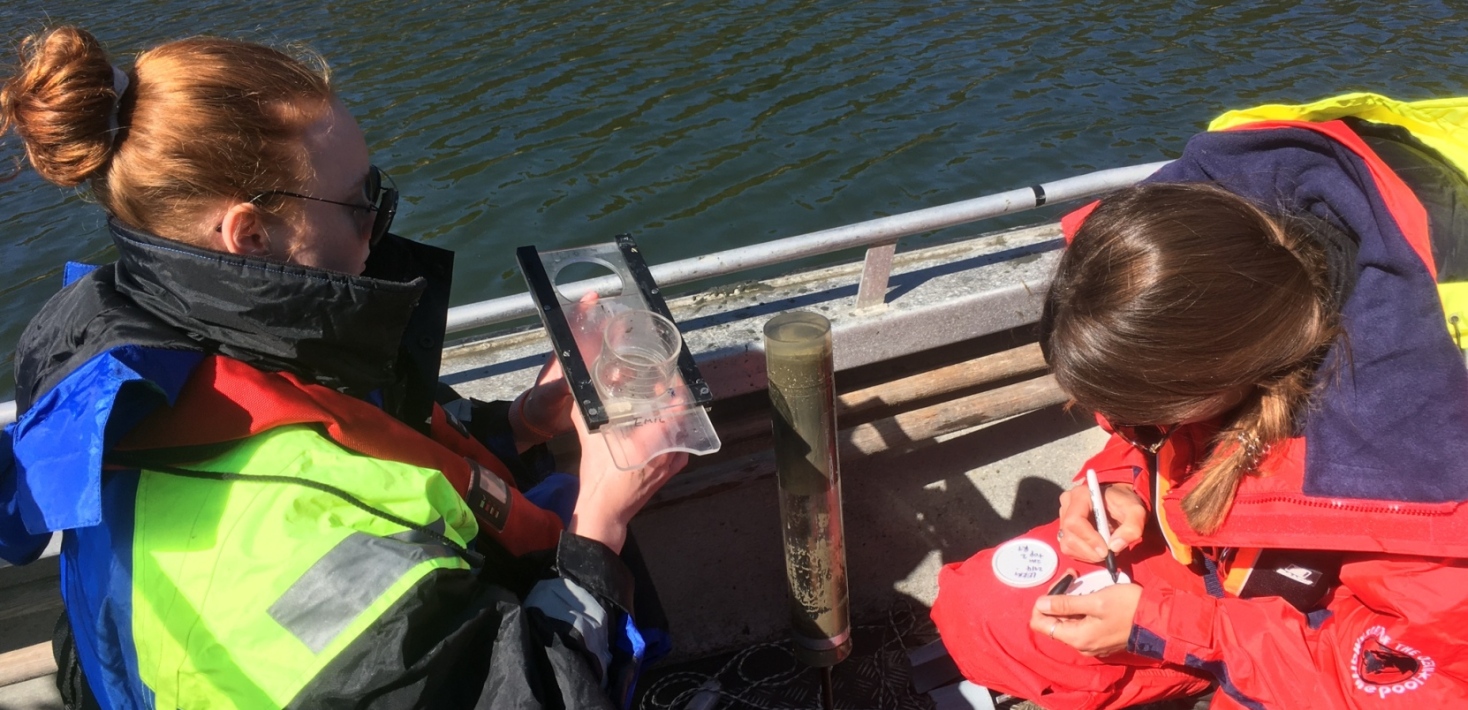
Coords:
1387,418
127,338
338,330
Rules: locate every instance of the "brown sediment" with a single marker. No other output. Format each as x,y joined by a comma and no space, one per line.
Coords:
802,395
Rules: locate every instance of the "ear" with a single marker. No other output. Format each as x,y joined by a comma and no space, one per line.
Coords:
242,231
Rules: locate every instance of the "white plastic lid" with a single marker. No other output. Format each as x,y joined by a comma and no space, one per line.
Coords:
1025,562
1095,581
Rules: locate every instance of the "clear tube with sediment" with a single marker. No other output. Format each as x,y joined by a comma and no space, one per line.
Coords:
803,412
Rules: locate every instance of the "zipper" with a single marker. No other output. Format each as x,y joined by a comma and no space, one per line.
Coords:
1345,504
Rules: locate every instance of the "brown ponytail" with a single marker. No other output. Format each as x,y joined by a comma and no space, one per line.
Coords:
1177,300
205,121
1266,417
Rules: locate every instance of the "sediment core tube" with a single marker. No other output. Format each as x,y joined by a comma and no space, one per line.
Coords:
803,412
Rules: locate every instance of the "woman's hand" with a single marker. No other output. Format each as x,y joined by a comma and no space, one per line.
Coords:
609,497
542,412
1097,624
1079,539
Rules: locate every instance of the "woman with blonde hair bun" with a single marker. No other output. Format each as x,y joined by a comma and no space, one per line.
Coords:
236,425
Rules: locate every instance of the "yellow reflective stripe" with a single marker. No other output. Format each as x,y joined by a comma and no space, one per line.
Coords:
1180,552
210,558
1240,568
1442,124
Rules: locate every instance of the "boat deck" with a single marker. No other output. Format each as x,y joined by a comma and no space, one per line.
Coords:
30,603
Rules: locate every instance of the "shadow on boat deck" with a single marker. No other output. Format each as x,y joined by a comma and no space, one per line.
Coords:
766,676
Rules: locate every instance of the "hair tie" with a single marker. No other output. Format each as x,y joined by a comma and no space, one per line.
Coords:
120,84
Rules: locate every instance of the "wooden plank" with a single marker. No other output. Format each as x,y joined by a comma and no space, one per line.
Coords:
905,431
1022,360
26,663
28,611
910,429
897,393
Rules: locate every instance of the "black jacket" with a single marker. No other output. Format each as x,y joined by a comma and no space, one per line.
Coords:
465,640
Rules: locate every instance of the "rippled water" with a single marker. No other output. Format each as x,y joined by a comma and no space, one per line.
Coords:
702,126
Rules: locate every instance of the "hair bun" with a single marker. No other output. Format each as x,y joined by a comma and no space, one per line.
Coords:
60,103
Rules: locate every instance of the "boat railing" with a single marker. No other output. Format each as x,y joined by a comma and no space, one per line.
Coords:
879,237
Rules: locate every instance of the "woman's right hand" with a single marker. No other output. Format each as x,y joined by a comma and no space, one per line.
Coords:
609,497
1079,538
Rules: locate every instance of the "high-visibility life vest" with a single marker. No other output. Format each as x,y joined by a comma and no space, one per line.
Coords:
310,516
245,587
1441,124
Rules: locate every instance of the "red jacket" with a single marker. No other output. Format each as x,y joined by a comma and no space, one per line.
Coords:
1393,630
1390,634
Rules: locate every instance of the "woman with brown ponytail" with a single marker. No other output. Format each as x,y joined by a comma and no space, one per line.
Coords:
235,424
1260,328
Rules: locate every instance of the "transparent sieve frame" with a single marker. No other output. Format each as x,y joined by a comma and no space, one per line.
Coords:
638,426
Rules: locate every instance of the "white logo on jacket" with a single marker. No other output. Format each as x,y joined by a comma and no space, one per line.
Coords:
1380,666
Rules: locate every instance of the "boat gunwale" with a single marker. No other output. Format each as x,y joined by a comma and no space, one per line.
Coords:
875,233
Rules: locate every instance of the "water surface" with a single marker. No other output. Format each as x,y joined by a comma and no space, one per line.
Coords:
703,126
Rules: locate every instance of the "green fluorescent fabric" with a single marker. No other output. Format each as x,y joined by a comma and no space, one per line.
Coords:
243,591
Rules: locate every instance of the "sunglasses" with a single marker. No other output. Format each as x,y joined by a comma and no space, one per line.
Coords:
1146,437
381,201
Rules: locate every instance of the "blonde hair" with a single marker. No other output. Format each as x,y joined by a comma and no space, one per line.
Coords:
204,119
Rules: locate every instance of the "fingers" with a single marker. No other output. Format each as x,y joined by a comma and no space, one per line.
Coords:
665,466
1128,532
1079,540
1125,507
546,403
1096,624
1062,605
1071,632
1040,623
579,424
1065,619
1060,627
550,372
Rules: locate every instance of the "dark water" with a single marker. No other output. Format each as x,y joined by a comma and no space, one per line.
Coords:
702,126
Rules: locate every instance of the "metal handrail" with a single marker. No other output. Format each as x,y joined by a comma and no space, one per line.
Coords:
883,230
861,234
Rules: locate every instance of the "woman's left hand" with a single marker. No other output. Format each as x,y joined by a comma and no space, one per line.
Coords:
543,411
1096,624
